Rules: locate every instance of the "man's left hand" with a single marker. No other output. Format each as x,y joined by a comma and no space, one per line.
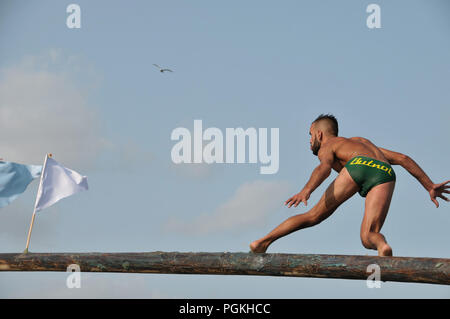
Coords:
437,190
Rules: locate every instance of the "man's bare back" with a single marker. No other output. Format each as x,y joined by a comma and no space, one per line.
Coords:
363,167
344,149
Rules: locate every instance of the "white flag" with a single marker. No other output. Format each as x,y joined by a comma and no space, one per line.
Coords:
57,183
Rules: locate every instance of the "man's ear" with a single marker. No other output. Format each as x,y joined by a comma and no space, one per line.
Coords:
319,135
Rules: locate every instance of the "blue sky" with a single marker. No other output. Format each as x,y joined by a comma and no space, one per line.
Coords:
92,98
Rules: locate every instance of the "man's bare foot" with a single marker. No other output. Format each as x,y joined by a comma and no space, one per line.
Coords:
385,250
258,246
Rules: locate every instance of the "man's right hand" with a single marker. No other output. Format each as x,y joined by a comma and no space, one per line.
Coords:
303,196
437,190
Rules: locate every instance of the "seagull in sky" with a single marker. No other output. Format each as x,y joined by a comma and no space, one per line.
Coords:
161,69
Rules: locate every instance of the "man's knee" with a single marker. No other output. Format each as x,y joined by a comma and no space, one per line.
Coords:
365,240
316,216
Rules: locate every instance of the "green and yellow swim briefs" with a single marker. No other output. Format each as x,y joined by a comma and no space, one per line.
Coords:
368,172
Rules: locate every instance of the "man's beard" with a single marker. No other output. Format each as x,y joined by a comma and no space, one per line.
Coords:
315,147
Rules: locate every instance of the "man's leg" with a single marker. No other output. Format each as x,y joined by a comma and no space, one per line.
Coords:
378,200
342,188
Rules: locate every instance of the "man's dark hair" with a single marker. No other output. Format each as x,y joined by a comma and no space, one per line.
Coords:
332,120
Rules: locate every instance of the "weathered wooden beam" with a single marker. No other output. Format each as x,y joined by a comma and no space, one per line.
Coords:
401,269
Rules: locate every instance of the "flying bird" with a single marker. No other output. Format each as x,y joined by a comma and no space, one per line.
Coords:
161,69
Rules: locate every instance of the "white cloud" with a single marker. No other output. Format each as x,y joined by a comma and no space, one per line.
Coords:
45,109
249,207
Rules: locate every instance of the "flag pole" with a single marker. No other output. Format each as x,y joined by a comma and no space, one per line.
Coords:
35,204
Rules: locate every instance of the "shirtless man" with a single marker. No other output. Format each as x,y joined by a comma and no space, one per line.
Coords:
362,167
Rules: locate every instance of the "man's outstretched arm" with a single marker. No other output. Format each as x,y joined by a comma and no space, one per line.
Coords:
319,174
435,190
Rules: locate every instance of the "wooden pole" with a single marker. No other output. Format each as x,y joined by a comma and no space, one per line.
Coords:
35,203
400,269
